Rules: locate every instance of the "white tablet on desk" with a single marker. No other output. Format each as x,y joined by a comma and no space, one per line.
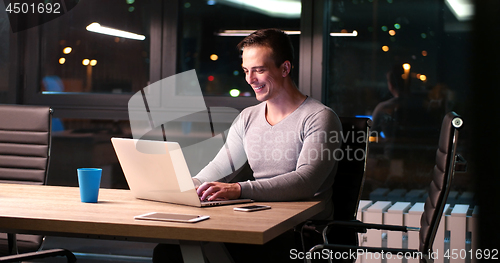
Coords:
184,218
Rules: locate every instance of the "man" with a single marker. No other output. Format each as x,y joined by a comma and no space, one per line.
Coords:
400,120
285,138
385,113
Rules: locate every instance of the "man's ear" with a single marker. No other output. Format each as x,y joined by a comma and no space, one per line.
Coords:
286,67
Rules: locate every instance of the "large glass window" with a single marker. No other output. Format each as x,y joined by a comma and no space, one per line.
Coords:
78,53
210,31
80,143
404,63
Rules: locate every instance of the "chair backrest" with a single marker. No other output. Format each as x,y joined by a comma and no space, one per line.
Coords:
350,176
442,175
25,139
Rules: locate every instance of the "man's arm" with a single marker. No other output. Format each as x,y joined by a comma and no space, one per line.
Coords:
229,159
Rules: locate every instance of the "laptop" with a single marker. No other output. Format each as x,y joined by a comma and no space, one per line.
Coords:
157,171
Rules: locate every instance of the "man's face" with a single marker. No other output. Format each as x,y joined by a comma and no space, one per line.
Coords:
261,72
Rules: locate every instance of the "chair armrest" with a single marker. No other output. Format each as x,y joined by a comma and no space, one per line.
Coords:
361,227
40,254
322,224
358,224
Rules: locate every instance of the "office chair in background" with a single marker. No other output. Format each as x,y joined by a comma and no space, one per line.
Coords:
347,187
25,140
447,162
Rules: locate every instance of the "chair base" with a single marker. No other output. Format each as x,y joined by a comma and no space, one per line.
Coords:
40,254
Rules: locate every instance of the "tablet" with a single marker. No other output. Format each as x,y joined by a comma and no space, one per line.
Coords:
157,216
252,208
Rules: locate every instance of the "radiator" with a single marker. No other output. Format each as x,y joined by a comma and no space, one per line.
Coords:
455,242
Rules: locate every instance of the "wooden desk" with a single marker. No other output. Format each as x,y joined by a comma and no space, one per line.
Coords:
57,211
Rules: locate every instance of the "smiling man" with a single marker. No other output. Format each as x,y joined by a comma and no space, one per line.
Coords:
283,137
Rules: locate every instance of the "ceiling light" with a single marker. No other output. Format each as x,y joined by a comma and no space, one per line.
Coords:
353,34
97,28
244,33
274,8
462,9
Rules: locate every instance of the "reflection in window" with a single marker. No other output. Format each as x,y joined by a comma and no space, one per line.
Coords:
210,31
98,47
80,143
406,66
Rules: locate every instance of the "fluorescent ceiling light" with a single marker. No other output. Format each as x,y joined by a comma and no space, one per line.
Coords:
97,28
244,33
353,34
462,9
274,8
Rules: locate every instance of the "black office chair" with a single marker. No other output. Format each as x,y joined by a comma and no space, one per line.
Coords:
447,162
25,140
347,187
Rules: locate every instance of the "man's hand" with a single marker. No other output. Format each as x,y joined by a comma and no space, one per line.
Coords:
217,190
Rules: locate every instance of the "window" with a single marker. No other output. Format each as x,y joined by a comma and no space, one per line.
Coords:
80,143
74,64
88,76
79,55
210,31
404,63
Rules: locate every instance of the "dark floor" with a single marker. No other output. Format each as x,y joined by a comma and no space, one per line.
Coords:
93,250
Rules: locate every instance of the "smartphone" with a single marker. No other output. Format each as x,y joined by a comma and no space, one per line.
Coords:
172,217
252,208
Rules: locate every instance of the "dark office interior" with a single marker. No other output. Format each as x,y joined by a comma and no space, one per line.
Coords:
344,50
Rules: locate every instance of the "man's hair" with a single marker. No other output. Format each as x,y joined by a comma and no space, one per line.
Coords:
394,76
276,39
